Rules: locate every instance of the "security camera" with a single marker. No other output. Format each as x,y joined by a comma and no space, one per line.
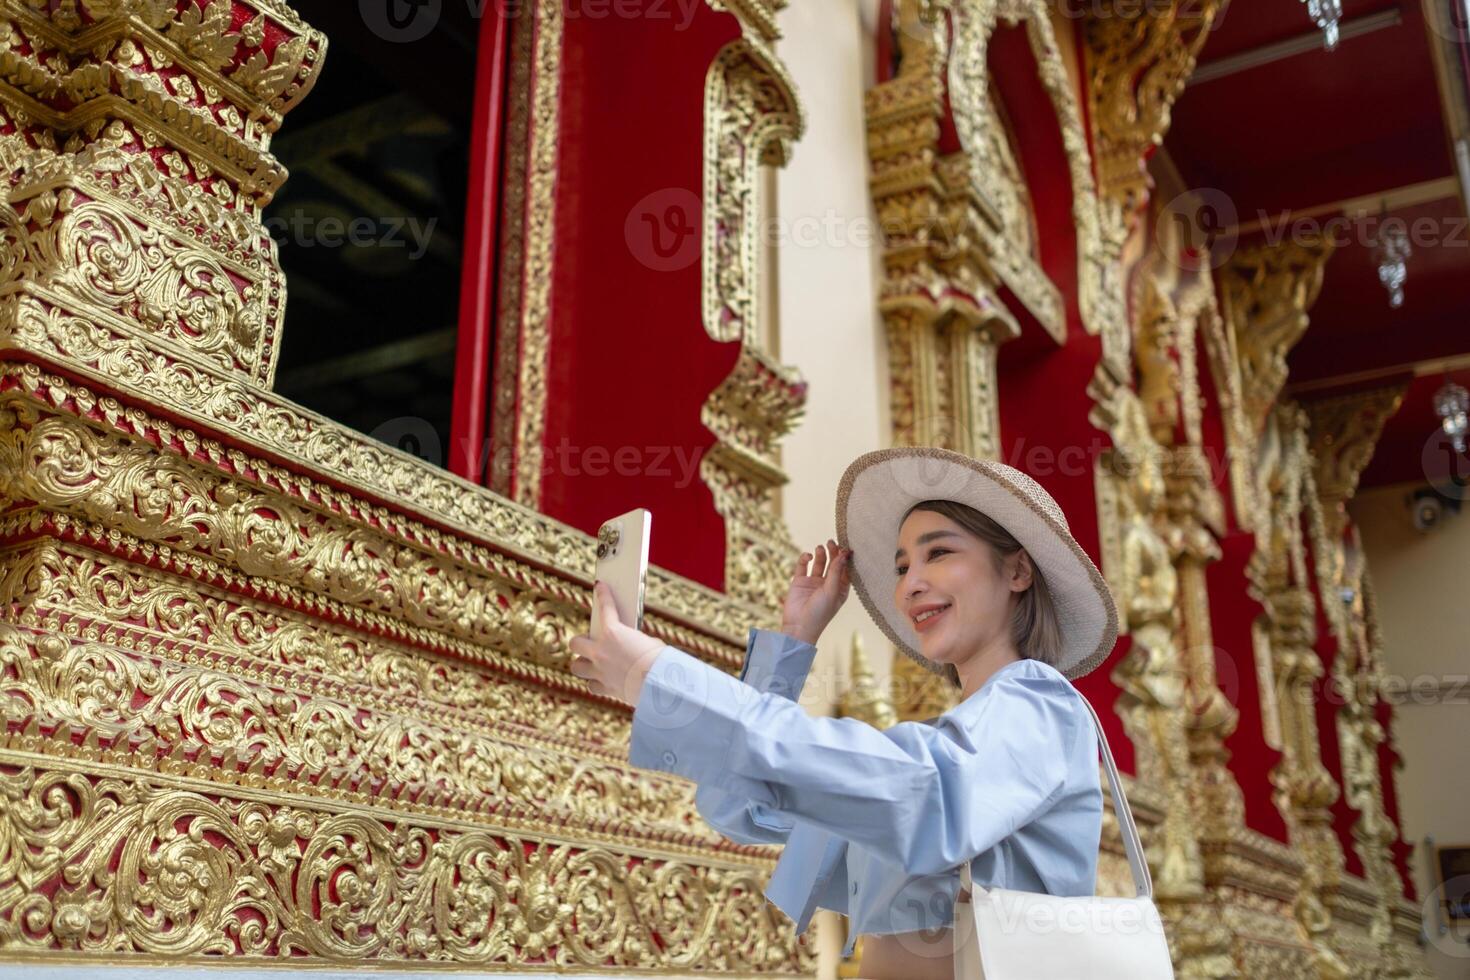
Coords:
1426,509
1430,505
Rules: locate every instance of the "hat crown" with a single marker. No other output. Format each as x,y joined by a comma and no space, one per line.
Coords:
1028,486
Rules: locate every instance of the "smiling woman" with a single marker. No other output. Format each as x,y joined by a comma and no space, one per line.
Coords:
969,585
992,589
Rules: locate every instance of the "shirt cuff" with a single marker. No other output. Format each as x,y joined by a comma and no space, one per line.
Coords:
687,720
777,663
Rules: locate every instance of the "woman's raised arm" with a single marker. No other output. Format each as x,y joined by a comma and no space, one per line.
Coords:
915,794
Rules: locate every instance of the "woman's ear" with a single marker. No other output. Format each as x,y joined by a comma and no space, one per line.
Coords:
1021,570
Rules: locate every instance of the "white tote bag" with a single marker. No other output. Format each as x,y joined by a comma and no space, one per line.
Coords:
1014,935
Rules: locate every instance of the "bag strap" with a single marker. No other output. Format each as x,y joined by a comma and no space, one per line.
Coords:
1142,881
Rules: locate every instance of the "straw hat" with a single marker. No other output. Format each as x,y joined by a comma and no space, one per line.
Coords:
879,488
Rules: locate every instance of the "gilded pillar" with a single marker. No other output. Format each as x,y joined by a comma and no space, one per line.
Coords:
1344,431
1286,634
1265,293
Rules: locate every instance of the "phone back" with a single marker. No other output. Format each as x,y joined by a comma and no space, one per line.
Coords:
622,562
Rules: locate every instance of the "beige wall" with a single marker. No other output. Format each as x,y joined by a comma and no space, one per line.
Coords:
1424,605
827,264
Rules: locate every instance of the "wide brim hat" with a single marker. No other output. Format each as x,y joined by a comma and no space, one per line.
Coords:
878,489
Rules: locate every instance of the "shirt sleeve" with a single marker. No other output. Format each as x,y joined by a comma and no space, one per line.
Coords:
925,797
776,664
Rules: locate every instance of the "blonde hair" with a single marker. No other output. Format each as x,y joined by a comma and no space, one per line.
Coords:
1035,628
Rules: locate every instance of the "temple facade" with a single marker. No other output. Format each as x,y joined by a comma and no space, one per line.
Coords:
301,476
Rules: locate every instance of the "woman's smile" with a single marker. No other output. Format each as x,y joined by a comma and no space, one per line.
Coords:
926,615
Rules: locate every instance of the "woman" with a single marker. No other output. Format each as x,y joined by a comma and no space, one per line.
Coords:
969,568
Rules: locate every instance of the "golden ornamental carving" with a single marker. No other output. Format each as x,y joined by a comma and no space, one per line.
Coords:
751,118
1139,58
957,228
241,871
1139,61
1098,283
314,689
1277,572
1265,293
1139,566
1344,431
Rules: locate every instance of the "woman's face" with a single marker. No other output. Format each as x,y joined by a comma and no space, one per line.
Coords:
941,566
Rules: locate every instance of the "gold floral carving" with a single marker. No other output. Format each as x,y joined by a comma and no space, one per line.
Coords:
751,118
1265,293
1139,58
203,868
139,165
272,688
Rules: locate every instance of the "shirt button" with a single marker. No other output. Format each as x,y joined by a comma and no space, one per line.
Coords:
670,758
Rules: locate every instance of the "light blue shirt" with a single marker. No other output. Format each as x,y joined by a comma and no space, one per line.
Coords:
876,823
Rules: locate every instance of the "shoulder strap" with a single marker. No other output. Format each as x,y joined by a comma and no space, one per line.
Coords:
1142,881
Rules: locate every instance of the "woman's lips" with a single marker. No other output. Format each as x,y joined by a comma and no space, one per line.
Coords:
924,624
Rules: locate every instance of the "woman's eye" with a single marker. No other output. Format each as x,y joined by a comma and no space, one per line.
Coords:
900,570
938,551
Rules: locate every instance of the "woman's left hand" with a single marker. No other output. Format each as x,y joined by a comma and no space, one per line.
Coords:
615,662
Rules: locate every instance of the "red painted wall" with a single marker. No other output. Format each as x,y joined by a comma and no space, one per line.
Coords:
630,362
1232,611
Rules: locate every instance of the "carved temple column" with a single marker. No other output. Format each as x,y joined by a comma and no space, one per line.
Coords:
1344,431
942,229
1266,291
1155,498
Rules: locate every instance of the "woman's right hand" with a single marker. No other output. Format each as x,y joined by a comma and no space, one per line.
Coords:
816,595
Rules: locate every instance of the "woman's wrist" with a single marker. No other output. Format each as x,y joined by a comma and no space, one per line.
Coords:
791,629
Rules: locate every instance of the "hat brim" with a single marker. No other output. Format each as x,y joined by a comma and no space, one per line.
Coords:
879,488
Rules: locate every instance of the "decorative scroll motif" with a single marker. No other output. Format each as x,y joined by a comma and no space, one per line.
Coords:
751,118
139,165
108,246
1140,56
208,869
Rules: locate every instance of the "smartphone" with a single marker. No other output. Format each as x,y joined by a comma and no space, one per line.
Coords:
622,562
